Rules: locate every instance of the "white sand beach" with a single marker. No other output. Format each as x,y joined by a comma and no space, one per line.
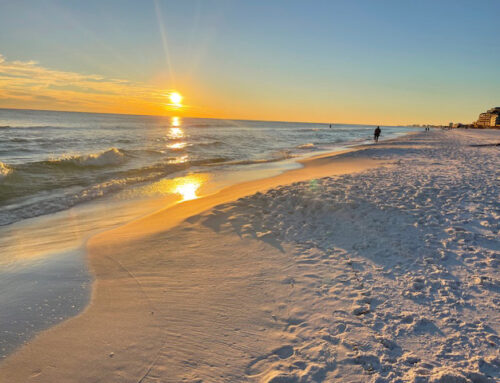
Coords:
378,264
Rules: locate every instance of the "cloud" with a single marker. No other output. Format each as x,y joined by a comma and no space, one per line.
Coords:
27,84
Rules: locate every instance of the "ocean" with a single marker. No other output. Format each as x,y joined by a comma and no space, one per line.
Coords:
65,176
51,161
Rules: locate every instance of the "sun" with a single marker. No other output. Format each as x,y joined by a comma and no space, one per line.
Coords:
175,98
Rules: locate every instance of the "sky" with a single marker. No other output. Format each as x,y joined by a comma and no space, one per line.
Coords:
334,61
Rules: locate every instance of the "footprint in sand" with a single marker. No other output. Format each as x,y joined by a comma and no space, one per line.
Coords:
36,373
263,362
284,352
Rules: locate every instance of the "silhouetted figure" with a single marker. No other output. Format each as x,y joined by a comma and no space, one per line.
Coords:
376,133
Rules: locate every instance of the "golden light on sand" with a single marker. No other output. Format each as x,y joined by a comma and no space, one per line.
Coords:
175,99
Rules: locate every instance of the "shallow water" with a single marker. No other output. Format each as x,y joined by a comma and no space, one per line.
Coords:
41,295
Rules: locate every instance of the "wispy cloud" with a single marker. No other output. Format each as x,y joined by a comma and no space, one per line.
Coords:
27,84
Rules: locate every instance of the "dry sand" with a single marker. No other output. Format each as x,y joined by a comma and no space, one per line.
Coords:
374,273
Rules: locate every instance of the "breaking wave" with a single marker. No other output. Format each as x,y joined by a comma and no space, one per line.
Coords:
110,157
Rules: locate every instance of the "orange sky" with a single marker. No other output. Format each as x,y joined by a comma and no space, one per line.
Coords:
30,85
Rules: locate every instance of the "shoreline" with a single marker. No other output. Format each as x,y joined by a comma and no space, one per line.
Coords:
126,324
312,166
186,209
70,230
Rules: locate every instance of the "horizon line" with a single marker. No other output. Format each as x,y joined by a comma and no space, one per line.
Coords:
213,118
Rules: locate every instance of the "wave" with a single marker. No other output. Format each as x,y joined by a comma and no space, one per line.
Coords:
200,125
124,140
28,127
309,145
112,156
139,152
215,160
282,156
209,143
181,144
253,162
64,196
19,139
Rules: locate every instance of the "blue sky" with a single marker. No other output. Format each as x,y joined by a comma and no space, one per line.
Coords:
340,61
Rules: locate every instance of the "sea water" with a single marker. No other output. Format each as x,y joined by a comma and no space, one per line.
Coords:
51,161
65,176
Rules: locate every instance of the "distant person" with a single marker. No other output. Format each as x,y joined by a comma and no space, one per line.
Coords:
376,133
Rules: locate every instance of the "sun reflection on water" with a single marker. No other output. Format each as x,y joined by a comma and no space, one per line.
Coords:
175,133
186,187
179,160
175,121
177,145
187,190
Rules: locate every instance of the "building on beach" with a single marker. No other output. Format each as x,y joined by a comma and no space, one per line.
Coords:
490,118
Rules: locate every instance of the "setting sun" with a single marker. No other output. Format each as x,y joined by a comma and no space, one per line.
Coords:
175,98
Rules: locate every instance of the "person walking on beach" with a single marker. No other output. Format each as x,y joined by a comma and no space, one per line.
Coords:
376,133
